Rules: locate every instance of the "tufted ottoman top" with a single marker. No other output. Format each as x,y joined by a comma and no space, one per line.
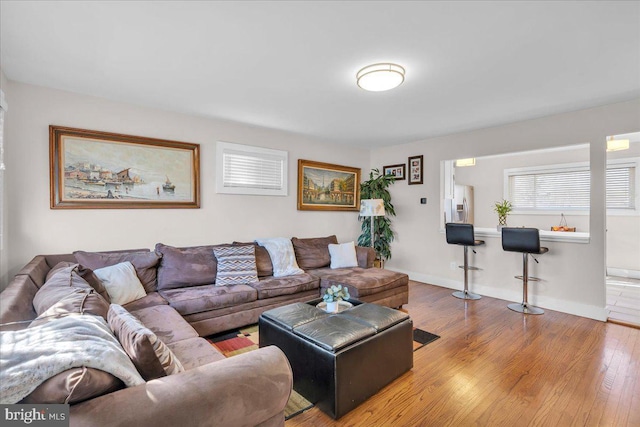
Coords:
335,331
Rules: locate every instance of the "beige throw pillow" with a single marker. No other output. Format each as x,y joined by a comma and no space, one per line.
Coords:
121,282
151,357
343,255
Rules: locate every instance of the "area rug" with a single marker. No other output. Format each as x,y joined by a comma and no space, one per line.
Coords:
422,338
232,343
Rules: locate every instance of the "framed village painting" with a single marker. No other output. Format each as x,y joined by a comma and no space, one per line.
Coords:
101,170
323,186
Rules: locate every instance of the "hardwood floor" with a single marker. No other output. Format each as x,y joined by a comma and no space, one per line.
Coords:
496,367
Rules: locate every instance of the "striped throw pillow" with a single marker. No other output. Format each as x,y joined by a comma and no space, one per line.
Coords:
236,265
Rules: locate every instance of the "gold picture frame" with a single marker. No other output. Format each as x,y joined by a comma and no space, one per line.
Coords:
102,170
328,187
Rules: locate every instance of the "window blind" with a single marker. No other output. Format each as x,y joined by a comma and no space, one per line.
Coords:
252,171
244,169
554,190
621,187
568,188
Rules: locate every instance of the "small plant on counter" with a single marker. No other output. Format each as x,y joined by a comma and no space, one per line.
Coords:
502,208
336,293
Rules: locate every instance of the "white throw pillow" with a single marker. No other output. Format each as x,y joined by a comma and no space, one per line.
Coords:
121,282
343,255
282,256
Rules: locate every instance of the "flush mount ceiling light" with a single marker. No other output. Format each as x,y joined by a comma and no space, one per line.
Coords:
380,77
617,144
466,162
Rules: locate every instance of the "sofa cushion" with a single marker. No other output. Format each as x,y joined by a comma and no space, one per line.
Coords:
74,385
149,300
64,283
121,282
263,260
343,255
236,265
361,281
184,267
145,263
197,299
151,357
194,352
86,273
313,252
166,323
16,304
269,287
78,302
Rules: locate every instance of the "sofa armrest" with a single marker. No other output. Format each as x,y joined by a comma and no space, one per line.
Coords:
366,256
244,390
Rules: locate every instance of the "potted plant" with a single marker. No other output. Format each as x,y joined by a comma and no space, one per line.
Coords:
502,208
377,187
333,295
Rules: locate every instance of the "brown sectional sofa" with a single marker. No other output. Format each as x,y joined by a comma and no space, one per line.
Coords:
181,306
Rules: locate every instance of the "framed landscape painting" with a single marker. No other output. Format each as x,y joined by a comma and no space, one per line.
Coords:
398,171
323,186
101,170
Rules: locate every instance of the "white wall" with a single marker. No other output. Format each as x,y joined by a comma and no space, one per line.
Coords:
36,229
573,273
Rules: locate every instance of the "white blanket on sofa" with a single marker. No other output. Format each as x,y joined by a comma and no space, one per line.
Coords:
31,356
282,256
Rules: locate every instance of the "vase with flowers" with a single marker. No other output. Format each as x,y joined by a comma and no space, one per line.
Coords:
333,295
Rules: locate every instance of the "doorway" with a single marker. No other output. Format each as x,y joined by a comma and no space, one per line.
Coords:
623,229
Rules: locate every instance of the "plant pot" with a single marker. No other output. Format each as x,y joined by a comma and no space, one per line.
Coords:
332,307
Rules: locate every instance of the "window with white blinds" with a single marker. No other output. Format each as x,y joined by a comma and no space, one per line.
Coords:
621,186
568,187
245,169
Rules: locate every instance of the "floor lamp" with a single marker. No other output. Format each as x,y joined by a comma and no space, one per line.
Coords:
372,208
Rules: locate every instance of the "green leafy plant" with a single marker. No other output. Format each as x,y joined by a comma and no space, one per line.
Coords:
377,187
502,208
336,293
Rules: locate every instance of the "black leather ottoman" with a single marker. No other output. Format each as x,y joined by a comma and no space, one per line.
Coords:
340,360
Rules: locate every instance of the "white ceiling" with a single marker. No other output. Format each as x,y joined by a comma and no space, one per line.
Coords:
292,65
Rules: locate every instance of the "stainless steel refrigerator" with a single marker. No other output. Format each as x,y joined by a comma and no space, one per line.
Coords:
460,208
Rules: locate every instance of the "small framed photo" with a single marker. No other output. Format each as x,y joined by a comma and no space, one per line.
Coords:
399,171
415,170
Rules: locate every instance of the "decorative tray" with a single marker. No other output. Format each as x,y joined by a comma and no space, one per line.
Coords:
342,306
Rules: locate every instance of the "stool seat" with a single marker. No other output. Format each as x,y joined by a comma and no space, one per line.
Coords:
527,242
463,235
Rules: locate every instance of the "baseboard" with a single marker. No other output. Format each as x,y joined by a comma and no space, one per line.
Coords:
511,295
622,272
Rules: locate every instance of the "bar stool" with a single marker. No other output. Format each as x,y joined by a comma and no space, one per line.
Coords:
462,234
526,241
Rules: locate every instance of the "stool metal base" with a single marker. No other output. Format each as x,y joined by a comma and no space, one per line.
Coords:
466,295
525,308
